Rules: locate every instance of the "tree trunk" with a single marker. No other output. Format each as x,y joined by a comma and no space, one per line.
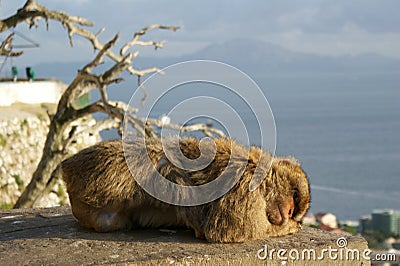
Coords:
85,81
51,157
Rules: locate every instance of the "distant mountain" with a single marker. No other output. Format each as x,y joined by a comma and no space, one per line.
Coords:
256,58
262,58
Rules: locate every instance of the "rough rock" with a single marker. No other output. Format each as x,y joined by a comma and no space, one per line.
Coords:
53,237
23,131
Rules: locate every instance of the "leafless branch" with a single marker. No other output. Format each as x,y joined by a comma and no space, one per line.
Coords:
135,40
95,129
85,81
6,47
208,131
32,11
62,122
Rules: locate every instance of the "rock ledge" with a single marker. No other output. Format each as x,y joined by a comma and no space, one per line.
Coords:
51,236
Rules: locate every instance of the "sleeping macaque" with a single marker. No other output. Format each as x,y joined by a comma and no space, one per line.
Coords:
105,196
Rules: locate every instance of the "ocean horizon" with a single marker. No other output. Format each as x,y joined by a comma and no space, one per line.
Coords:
343,128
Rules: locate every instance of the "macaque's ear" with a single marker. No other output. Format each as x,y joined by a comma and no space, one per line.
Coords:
263,170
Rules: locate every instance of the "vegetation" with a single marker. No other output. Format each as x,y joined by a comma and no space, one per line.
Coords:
18,180
376,239
5,206
3,141
350,229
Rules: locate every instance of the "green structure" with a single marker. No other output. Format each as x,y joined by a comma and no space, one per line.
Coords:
365,224
387,221
30,74
398,224
83,100
14,71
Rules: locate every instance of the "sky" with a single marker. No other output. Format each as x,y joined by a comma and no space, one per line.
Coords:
315,26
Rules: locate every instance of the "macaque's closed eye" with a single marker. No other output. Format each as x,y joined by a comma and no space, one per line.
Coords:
296,197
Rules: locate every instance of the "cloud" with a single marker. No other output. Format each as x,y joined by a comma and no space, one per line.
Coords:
349,40
317,26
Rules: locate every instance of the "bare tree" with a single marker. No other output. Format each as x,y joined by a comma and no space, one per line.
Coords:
60,123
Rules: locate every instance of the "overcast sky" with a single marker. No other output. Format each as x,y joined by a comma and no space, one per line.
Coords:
315,26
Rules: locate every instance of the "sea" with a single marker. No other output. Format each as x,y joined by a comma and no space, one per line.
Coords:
345,129
346,132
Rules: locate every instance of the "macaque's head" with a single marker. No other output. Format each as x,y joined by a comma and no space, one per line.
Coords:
288,192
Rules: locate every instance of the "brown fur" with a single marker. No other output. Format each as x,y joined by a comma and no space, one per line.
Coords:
105,196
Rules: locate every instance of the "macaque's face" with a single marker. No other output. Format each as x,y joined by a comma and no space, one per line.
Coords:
288,195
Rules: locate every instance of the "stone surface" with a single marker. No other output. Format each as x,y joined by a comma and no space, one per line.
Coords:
23,131
53,237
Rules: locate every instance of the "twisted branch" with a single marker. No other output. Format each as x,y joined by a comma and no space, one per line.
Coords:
6,47
62,121
31,12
